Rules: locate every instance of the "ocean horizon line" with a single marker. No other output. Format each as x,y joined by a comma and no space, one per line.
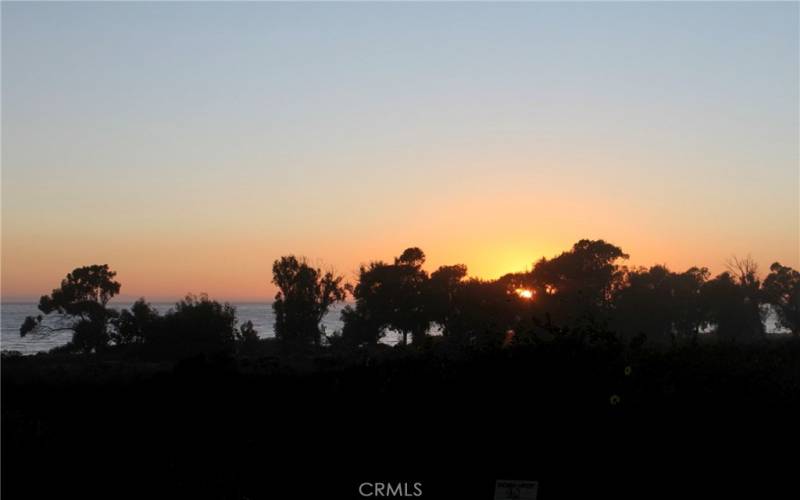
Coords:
18,302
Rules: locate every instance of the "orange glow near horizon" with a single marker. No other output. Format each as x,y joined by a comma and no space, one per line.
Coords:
239,269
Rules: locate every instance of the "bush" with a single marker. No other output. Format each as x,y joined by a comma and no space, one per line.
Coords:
196,325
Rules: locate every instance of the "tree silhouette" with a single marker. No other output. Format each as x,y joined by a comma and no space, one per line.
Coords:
781,289
362,325
643,305
412,257
688,316
139,324
443,287
483,310
304,296
195,325
745,271
662,305
578,285
411,315
732,305
581,290
82,297
389,296
375,294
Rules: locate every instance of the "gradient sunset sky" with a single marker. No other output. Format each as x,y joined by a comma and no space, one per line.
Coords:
188,145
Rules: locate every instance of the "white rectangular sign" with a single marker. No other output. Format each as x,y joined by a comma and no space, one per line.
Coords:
515,490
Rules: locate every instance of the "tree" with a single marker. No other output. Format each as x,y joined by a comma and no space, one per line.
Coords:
367,321
389,296
662,305
579,284
745,272
443,286
82,298
732,306
483,310
196,325
304,297
361,326
412,257
411,316
688,315
781,289
643,305
139,324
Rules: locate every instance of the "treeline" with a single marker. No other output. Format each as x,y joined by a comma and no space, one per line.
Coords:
584,291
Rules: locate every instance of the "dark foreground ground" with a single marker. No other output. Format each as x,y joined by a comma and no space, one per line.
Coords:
700,422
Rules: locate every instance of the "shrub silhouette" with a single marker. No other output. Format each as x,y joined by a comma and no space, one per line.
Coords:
195,325
247,340
247,333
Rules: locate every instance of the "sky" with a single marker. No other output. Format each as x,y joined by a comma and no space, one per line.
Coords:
189,145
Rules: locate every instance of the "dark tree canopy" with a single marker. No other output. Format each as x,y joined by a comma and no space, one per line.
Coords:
643,304
389,296
688,316
84,292
375,294
413,257
781,289
443,287
659,304
304,296
732,305
483,308
196,324
582,290
578,284
139,324
82,296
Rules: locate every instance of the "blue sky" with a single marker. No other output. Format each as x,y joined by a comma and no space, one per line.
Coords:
190,144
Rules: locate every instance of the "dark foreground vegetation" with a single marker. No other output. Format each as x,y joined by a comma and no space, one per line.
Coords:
597,380
584,415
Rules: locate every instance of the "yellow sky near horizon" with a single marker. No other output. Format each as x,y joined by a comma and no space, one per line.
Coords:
235,267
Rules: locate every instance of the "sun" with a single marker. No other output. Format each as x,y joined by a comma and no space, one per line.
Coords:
524,293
